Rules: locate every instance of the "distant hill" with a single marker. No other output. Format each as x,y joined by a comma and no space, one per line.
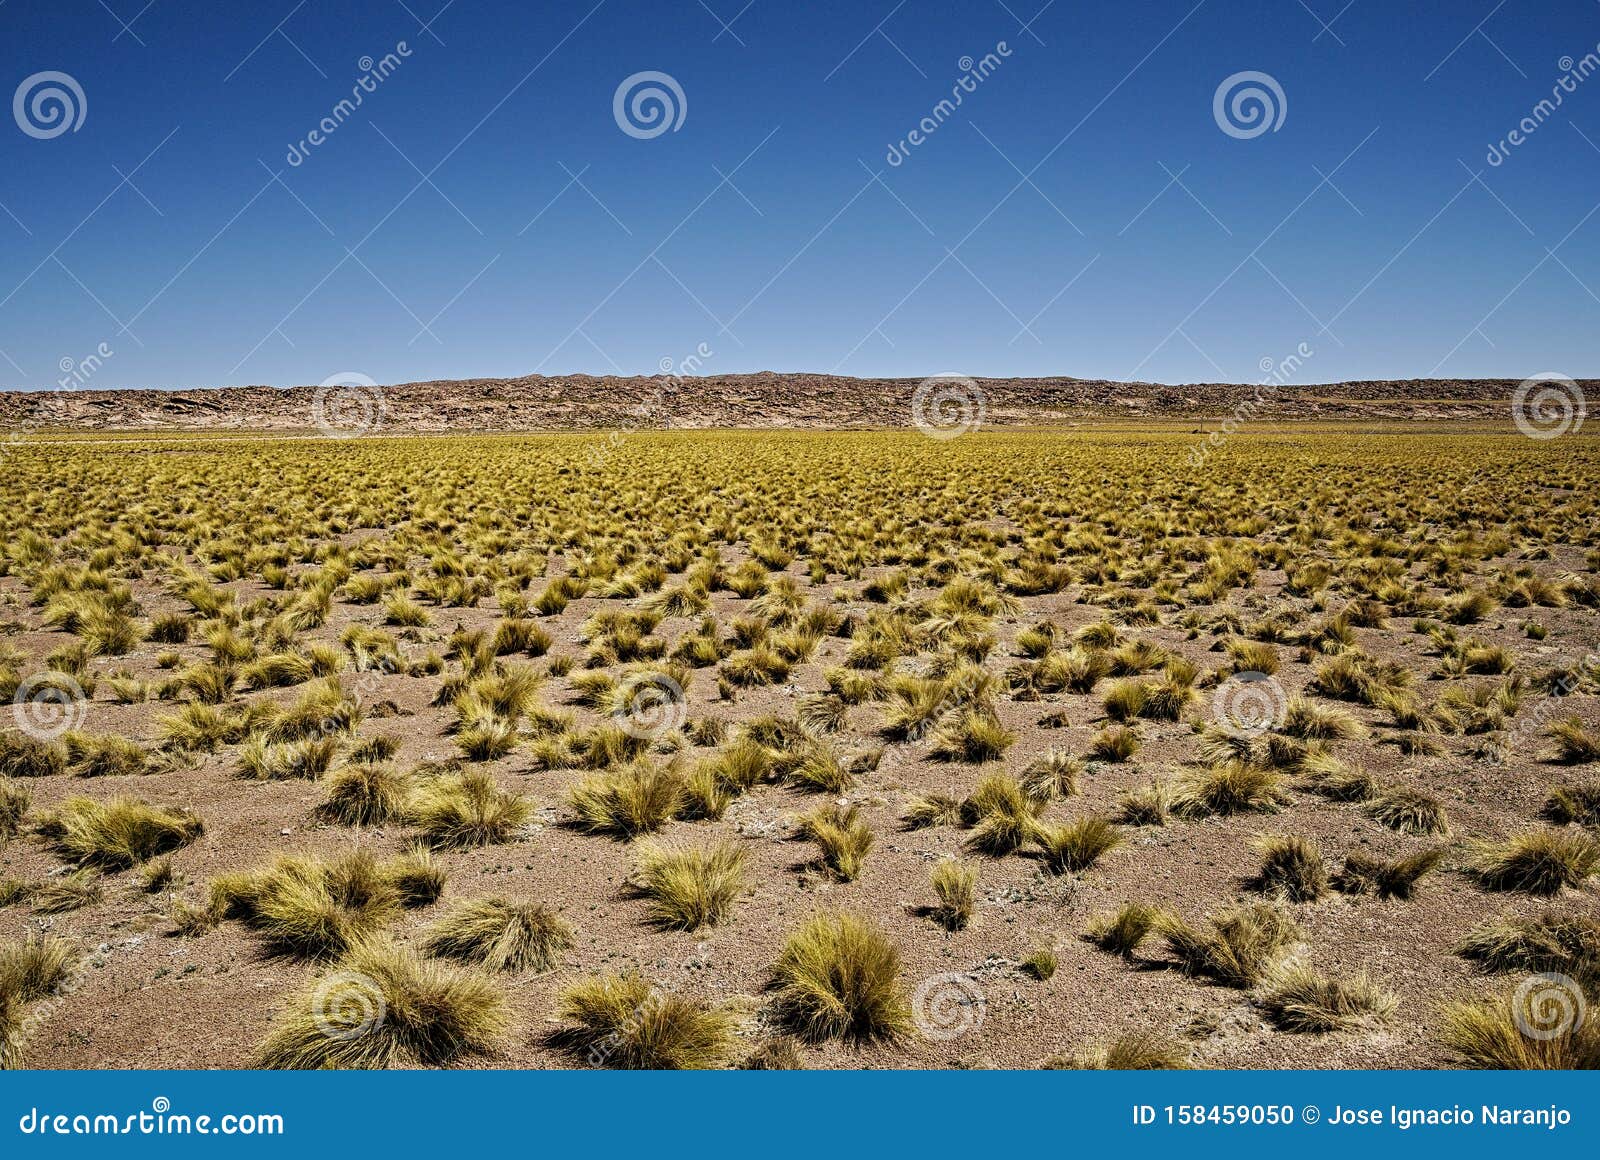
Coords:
763,400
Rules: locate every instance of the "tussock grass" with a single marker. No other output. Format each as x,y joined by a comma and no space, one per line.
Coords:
955,885
1123,931
1301,1000
842,837
310,908
308,758
1337,780
1074,847
1291,868
971,735
467,809
366,795
1539,862
68,892
838,977
638,798
1574,804
1147,805
1003,817
15,798
1364,874
1233,788
1051,775
932,809
1310,721
1128,1053
37,967
1238,947
500,934
1041,963
106,755
382,1006
1574,745
690,887
30,971
1567,944
24,756
1488,1035
1113,745
822,770
780,1053
1411,811
117,833
624,1021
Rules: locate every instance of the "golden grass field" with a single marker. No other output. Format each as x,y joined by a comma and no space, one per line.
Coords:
1066,748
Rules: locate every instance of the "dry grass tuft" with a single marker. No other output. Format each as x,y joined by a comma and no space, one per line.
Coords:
1291,868
1123,931
467,809
1238,948
1300,999
1129,1053
117,833
1364,874
690,887
955,884
842,836
624,1021
1538,862
500,934
838,977
638,798
381,1006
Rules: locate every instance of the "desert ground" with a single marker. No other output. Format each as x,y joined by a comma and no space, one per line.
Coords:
1110,745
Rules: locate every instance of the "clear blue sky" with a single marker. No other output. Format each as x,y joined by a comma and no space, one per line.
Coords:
1082,212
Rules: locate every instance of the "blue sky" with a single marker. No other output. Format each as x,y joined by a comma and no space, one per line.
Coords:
1082,212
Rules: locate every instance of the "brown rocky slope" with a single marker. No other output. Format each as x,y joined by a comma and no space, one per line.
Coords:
761,400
